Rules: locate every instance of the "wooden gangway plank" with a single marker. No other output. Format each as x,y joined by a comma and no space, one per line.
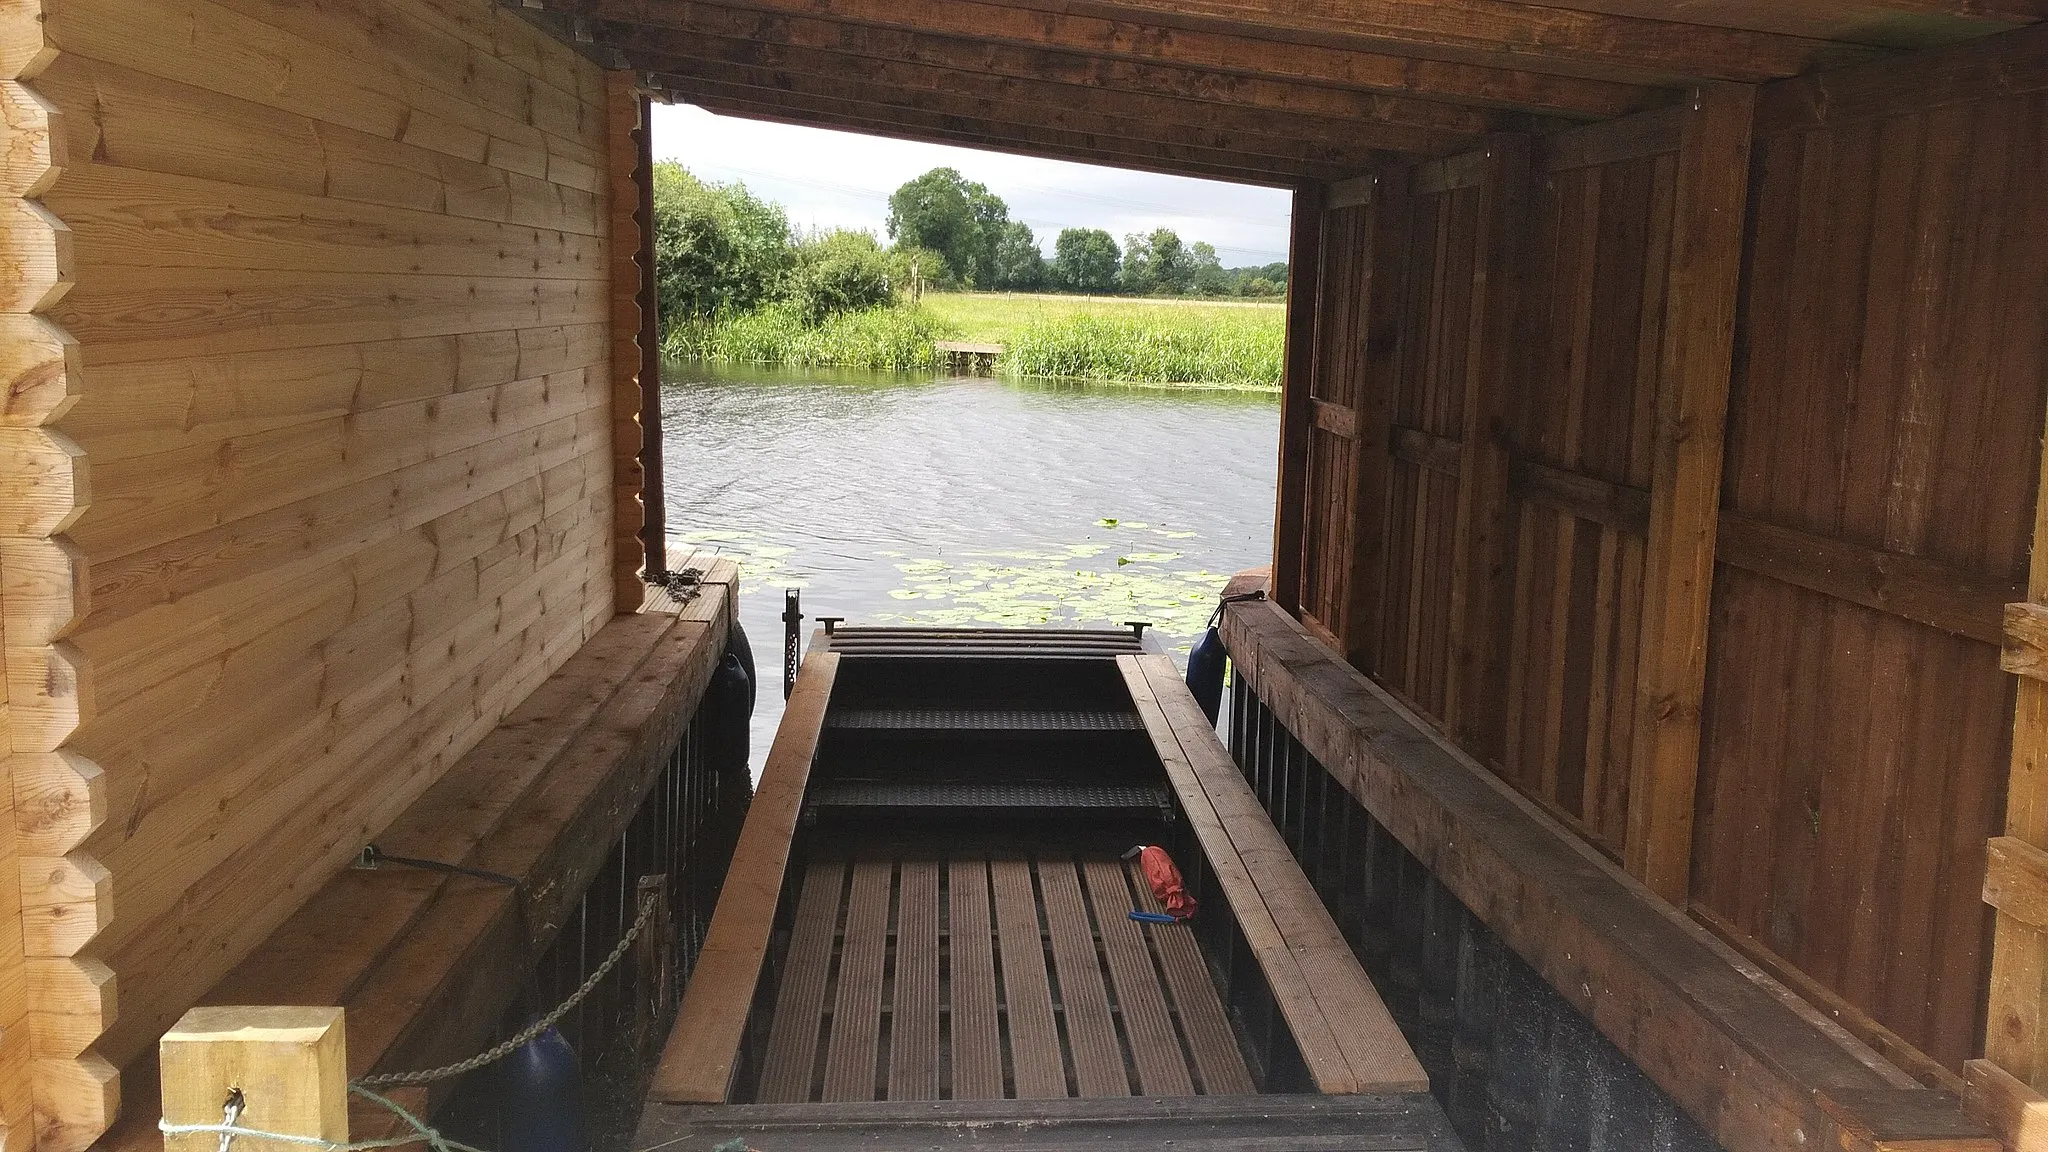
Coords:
1346,1036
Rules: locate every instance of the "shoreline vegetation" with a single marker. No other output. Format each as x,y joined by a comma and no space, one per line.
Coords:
1158,343
738,286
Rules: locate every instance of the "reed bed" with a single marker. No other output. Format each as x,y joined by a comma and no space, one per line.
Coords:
896,338
1153,347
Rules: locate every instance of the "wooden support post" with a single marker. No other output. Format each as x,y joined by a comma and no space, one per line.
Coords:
1479,561
1392,204
653,509
1685,482
1304,288
289,1064
624,108
2013,1036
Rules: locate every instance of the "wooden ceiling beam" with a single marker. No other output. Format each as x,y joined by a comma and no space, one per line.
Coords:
927,127
838,49
1230,54
1110,130
1498,33
1145,117
1909,24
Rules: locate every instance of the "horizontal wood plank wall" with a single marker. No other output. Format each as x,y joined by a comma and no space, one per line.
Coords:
1582,425
320,296
1887,412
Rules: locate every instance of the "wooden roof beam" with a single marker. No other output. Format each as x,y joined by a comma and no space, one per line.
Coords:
1499,33
1115,39
957,63
910,124
1139,116
1112,130
1879,23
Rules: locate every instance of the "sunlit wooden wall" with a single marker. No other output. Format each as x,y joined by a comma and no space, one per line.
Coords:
309,467
1770,684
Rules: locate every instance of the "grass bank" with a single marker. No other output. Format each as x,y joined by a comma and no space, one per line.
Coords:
892,339
1215,343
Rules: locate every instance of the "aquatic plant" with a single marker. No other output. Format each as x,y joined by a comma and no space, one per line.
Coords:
1154,346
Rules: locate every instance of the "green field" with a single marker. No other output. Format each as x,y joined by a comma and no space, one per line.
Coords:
997,317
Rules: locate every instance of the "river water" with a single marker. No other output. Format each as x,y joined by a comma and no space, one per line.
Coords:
911,500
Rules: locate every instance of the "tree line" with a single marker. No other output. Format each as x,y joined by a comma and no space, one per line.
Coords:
972,243
721,250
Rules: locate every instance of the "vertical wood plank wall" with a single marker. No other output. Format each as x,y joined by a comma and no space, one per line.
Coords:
1882,453
318,297
1825,724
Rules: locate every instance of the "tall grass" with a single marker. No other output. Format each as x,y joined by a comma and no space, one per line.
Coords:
882,339
1153,347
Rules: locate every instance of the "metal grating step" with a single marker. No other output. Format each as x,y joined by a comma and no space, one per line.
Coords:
983,720
913,794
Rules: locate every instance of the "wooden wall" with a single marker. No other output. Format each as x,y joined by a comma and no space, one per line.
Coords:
316,299
1883,441
1712,566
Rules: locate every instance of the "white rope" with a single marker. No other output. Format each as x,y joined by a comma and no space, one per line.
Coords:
421,1134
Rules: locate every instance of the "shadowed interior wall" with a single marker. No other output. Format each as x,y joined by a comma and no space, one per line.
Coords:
309,473
1826,784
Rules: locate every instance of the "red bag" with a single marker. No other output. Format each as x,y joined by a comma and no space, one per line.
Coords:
1166,882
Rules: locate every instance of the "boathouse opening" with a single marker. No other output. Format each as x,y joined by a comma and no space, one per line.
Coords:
1648,678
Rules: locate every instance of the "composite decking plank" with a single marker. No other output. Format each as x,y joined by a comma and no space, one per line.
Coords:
851,1052
914,1010
1155,1048
1035,1060
1212,1044
977,1042
800,1001
1077,967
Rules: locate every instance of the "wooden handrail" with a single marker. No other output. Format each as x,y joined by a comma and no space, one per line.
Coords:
1345,1034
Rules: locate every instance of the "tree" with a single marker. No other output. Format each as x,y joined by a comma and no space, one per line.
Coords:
1157,262
1085,260
1018,265
955,217
839,271
1206,270
717,247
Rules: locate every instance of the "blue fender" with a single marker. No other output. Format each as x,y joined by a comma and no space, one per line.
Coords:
1205,673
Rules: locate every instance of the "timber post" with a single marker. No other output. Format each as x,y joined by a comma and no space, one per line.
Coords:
286,1069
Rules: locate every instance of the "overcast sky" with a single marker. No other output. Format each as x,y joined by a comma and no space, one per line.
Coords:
841,180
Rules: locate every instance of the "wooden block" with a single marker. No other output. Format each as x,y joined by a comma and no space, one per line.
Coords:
44,589
2016,1113
75,1101
2025,651
290,1064
2016,879
43,486
59,798
38,371
65,901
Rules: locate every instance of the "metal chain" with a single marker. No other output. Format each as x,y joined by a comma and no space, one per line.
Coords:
682,586
648,903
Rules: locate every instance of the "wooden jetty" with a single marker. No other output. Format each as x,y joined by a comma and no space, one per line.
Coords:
966,359
928,904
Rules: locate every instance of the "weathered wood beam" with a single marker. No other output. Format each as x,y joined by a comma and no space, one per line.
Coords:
997,136
1304,289
1426,128
1880,23
1707,226
851,49
1498,33
1139,160
2013,64
1111,129
1498,84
